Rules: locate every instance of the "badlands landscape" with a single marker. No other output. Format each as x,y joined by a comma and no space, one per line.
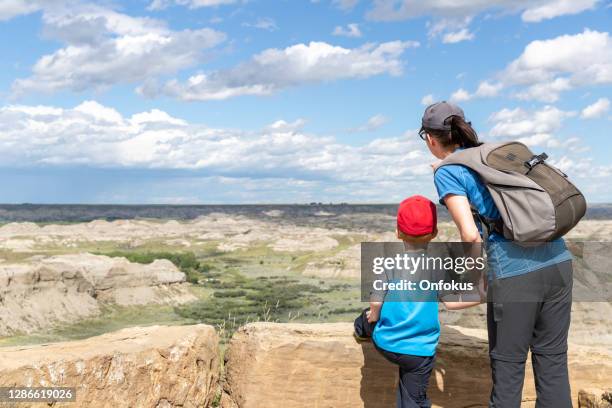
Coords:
238,309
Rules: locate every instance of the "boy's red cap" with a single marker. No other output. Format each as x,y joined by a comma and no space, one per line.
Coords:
416,216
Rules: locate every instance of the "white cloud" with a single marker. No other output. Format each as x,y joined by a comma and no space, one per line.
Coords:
534,128
192,4
548,67
427,100
585,168
284,126
104,47
345,4
281,162
374,123
457,36
100,113
487,89
532,11
100,137
552,9
14,8
275,69
453,29
263,23
154,116
454,17
351,30
597,109
545,91
460,95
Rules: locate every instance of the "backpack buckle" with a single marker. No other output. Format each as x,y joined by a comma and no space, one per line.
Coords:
535,160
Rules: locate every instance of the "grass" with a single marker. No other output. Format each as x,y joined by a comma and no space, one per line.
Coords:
112,318
241,293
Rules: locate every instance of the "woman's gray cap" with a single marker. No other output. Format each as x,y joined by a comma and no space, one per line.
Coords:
436,114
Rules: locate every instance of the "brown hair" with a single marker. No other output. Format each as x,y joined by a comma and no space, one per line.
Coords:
461,133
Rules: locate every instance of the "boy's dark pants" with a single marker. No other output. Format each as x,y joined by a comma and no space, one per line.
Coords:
414,373
539,319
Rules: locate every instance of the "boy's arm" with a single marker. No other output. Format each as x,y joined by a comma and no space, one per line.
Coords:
464,305
459,305
374,312
376,300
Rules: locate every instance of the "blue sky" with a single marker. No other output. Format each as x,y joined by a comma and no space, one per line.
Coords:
231,101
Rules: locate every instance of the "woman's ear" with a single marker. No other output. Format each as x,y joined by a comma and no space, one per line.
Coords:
430,139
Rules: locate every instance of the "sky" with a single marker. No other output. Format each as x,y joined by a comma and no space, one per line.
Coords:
289,101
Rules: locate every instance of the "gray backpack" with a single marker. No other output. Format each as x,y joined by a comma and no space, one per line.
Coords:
536,201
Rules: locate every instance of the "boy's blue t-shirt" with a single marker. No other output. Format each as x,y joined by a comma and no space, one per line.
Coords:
408,322
408,328
505,258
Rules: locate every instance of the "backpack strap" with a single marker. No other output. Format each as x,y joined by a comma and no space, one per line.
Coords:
488,225
470,158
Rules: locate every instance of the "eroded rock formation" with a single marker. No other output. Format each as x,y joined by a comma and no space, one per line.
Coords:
66,288
595,398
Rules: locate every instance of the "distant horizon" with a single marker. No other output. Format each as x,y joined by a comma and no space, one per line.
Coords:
324,213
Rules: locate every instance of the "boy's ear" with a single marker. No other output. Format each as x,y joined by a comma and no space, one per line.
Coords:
434,234
397,233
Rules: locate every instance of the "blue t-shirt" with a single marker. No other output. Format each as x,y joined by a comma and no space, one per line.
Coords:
408,328
408,322
505,258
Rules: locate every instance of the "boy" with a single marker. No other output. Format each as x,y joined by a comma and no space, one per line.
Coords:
406,332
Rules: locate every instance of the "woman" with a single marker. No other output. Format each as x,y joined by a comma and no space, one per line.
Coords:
531,287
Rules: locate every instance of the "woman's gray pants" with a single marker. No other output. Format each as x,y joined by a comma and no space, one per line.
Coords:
530,311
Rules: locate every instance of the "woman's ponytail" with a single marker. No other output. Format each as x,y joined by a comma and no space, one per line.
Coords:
462,133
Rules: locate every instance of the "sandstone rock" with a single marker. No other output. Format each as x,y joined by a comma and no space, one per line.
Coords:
156,366
36,296
126,283
298,365
65,288
594,398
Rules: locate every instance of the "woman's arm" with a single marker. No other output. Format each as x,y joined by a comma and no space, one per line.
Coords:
459,208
